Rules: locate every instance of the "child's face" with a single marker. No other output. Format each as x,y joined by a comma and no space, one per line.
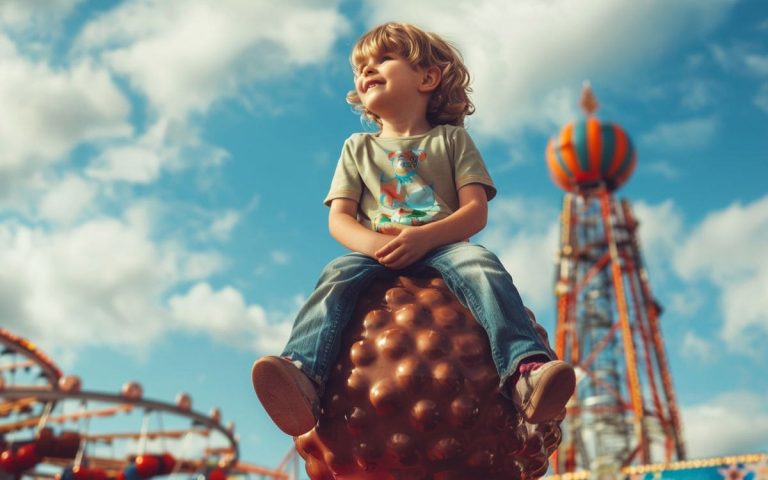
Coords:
387,83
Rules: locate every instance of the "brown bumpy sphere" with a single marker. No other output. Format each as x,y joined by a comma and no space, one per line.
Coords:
414,395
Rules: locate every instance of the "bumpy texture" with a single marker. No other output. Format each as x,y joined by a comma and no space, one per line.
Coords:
414,395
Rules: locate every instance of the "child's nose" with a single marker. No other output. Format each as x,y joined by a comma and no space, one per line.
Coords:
369,69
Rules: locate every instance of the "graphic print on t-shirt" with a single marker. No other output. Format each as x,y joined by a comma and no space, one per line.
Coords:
406,199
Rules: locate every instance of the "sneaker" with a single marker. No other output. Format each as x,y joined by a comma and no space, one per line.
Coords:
288,396
541,394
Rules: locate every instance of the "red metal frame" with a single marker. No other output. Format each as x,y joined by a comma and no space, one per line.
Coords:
642,360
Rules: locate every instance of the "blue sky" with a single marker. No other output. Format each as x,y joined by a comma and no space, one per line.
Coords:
163,165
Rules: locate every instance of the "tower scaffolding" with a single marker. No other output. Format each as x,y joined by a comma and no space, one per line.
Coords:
624,410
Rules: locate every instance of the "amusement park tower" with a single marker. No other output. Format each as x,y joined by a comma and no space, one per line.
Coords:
624,410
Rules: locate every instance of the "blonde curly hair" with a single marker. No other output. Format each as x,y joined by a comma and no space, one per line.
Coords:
449,102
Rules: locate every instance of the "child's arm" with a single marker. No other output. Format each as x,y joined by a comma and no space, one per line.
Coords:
344,227
415,242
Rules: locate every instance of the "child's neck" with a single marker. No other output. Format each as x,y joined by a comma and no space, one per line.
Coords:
404,127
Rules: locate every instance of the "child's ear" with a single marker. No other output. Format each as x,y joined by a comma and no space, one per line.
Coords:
430,79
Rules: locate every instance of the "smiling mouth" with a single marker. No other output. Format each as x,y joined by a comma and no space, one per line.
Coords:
370,85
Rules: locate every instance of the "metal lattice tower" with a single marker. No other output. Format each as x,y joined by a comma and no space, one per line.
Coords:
624,410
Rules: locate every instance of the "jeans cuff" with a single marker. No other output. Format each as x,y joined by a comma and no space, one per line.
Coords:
298,363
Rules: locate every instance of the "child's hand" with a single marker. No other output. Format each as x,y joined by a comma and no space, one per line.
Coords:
407,247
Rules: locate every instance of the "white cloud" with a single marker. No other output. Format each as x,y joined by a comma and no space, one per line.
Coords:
185,55
728,250
660,230
38,16
756,63
742,58
129,163
761,98
662,169
697,348
47,112
696,94
732,423
684,303
166,146
198,224
523,233
695,133
79,286
515,85
727,58
515,159
280,257
224,224
225,315
65,201
82,276
182,56
725,250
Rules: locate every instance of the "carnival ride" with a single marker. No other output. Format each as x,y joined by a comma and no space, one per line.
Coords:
623,420
51,427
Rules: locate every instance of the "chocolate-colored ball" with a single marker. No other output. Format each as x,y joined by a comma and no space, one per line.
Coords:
415,395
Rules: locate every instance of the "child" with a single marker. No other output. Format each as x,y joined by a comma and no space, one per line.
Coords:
408,198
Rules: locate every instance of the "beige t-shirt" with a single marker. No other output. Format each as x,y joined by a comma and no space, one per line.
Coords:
408,180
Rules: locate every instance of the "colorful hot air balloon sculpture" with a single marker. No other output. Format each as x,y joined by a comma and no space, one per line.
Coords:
588,153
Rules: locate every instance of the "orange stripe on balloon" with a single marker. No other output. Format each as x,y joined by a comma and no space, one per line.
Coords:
559,176
567,150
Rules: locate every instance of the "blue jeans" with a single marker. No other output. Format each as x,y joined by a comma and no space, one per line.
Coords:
472,273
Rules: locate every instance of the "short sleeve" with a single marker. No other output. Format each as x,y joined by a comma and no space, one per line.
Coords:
469,166
346,182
